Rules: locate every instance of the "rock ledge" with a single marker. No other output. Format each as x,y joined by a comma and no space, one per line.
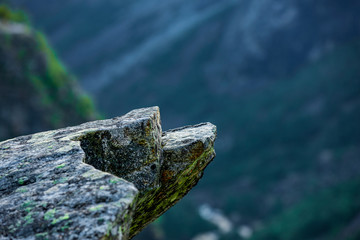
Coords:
105,179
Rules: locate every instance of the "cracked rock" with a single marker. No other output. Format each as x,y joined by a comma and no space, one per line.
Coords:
105,179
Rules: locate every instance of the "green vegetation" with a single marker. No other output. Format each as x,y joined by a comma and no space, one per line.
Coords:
57,88
283,131
61,165
41,235
28,204
6,14
22,180
49,94
153,203
21,189
28,218
60,180
321,216
62,218
50,214
96,208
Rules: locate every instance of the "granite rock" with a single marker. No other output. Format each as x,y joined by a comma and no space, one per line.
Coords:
105,179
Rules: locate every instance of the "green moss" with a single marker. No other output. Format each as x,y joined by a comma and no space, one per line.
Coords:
28,204
28,209
65,217
28,218
22,180
61,166
96,208
152,204
60,180
64,228
21,189
43,235
114,181
50,214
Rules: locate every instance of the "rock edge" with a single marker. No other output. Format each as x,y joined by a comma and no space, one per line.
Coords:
105,179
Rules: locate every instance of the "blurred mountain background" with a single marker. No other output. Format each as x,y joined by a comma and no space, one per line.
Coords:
37,93
279,78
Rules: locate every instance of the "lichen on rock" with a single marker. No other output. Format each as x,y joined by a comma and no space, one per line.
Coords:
105,179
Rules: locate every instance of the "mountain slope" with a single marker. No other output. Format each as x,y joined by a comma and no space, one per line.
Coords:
37,93
279,78
295,138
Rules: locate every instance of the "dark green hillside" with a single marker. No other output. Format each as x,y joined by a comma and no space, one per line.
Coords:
37,93
6,14
330,214
294,138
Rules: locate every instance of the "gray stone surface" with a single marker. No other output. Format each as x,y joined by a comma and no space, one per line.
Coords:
106,179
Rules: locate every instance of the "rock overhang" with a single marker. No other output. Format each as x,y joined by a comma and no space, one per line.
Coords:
134,173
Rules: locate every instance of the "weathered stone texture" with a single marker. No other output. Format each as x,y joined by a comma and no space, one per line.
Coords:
100,179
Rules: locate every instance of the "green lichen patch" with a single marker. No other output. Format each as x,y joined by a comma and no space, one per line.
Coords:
41,236
62,218
50,214
28,203
60,180
114,180
96,208
28,209
22,180
28,218
61,166
104,187
22,189
64,228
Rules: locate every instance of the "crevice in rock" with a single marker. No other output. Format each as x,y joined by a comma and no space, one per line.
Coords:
123,155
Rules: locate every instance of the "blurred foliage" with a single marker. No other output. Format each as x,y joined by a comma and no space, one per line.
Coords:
35,83
56,83
322,216
281,130
6,14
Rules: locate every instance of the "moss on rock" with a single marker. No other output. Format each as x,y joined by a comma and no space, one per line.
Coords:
79,184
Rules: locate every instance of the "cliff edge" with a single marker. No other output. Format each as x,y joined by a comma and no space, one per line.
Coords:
105,179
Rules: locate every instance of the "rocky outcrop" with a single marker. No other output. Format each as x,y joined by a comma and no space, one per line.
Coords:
100,180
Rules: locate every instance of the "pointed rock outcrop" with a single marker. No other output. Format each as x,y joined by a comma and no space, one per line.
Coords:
105,179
